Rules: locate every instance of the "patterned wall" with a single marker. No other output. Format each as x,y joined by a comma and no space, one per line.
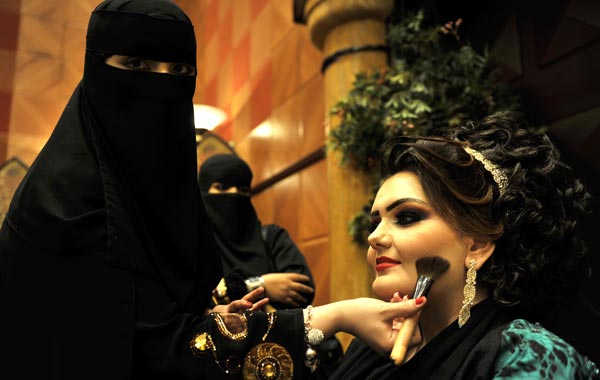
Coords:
262,69
254,62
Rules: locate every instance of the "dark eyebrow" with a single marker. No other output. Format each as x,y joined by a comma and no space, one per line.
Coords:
398,202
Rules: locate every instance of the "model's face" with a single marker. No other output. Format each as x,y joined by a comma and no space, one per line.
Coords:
141,64
219,188
405,228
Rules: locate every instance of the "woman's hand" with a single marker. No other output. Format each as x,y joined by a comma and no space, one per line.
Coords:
250,301
369,319
287,288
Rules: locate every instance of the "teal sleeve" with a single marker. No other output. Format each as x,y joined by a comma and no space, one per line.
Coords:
528,351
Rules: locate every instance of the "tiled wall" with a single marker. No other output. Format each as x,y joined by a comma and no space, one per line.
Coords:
9,34
254,62
48,64
260,67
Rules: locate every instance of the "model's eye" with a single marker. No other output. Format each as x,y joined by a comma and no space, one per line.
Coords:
405,218
133,63
182,69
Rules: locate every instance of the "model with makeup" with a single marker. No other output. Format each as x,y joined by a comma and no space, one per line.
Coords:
495,202
107,261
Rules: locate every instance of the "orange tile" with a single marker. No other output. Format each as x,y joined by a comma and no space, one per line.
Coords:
208,65
260,100
241,20
317,256
78,12
256,6
313,116
225,38
241,62
286,204
9,29
41,35
225,83
263,204
261,41
314,213
5,104
10,5
280,15
8,60
285,146
311,58
210,19
209,92
241,125
285,69
45,9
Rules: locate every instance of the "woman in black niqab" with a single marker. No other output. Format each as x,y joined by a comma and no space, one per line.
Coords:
107,230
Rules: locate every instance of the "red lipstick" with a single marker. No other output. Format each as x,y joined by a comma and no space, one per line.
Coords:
382,263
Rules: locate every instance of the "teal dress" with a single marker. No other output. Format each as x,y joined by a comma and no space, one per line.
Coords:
529,351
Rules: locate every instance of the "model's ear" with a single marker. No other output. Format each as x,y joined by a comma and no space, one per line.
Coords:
478,250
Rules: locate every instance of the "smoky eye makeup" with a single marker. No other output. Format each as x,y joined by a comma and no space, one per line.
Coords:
408,216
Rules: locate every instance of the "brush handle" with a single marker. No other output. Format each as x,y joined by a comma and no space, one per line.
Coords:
407,330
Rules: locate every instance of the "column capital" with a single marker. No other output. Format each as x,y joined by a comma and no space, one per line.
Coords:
322,16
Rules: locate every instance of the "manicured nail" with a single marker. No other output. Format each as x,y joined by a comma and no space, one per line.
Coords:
420,300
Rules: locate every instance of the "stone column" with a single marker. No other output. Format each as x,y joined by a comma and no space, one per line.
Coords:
351,34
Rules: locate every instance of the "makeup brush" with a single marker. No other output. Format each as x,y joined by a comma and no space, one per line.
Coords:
429,268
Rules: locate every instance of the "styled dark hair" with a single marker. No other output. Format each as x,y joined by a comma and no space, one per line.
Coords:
535,221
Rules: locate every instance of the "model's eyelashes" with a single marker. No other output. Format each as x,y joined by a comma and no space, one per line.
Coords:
407,217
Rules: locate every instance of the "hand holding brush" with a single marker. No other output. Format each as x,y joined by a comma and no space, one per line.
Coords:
429,268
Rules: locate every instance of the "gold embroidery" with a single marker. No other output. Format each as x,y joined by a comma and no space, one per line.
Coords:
272,317
222,326
268,361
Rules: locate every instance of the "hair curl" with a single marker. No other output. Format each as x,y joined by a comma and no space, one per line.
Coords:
536,222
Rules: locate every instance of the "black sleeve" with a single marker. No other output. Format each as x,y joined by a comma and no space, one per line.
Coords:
185,346
286,256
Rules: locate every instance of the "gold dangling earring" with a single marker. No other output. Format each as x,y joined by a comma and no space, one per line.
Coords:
468,293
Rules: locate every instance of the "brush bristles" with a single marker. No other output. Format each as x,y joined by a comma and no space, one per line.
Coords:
432,266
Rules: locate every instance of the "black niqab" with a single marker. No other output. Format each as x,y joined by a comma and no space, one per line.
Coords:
233,217
119,171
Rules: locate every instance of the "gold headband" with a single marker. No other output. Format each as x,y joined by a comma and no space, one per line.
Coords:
498,174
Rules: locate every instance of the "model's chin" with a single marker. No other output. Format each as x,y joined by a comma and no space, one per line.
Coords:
384,288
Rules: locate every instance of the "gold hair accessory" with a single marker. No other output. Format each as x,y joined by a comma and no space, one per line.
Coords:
497,173
469,294
268,361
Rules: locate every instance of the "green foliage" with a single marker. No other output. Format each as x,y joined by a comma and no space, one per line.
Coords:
434,81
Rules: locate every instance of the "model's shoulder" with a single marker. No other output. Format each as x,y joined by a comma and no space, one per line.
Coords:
530,350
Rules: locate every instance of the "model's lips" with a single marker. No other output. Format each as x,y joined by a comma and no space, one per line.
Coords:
382,263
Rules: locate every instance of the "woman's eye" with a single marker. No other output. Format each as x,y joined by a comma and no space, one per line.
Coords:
136,64
407,217
182,69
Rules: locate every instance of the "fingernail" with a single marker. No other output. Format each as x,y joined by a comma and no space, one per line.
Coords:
420,300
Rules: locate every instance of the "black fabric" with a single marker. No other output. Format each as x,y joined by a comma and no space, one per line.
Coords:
455,353
106,243
234,220
285,258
